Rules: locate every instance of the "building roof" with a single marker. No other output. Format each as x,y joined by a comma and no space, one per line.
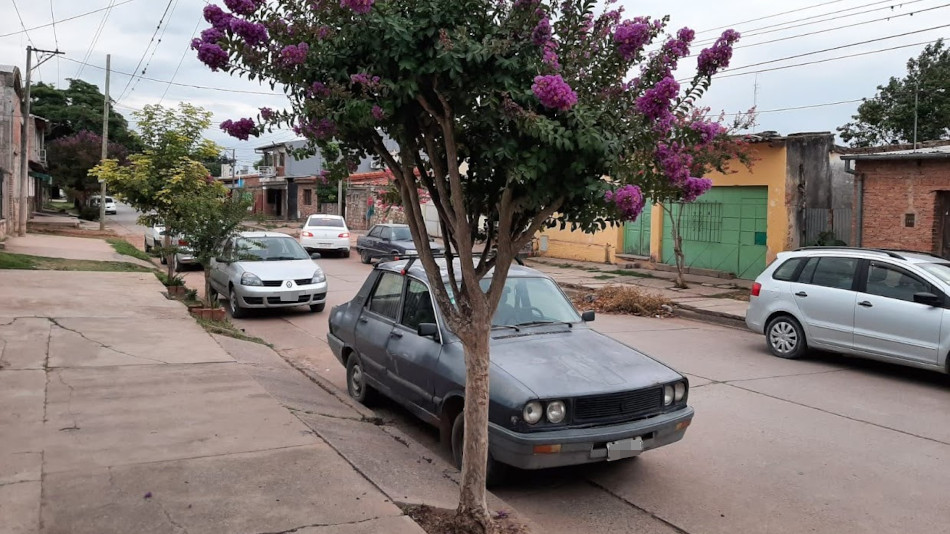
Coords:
933,152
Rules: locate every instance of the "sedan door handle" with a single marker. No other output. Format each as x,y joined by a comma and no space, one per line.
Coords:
801,294
866,304
364,320
396,334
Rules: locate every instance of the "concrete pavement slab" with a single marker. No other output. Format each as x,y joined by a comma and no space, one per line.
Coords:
23,342
20,508
88,342
267,491
110,416
758,464
21,396
389,525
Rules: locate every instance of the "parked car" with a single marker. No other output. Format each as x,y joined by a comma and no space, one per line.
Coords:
154,237
561,393
267,270
325,233
110,204
388,240
886,305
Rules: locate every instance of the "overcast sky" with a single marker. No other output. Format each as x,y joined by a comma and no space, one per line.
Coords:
129,34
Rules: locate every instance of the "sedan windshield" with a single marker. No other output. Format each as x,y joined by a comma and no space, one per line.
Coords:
940,270
269,249
533,300
401,233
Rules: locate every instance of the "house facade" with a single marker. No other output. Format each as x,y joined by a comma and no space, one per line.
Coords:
902,199
787,198
11,160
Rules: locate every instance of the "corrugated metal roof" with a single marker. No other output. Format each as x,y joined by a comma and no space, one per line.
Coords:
936,152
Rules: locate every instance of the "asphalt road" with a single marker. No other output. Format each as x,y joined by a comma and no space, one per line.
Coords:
828,444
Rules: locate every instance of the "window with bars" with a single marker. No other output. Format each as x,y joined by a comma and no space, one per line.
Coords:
701,221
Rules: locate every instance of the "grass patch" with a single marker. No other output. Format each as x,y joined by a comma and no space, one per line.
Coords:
225,328
626,272
604,277
9,260
128,249
624,299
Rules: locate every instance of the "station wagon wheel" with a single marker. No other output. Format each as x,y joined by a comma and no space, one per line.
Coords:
356,384
495,472
364,256
786,338
236,310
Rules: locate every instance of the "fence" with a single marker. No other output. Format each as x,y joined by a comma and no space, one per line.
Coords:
821,220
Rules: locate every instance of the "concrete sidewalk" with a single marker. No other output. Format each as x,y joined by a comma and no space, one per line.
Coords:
71,248
122,415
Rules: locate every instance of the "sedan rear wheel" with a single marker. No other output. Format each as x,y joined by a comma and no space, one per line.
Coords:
356,384
234,307
364,256
495,472
786,338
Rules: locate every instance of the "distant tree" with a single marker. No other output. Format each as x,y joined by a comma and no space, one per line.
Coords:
889,116
77,108
71,158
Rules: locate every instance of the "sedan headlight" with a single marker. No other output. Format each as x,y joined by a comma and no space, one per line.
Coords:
533,412
318,277
667,395
679,391
250,279
410,252
556,411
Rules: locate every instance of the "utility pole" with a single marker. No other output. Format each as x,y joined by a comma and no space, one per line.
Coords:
25,135
105,146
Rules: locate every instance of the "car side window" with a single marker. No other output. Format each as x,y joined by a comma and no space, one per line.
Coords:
228,250
889,281
833,272
386,234
385,299
375,231
786,271
418,306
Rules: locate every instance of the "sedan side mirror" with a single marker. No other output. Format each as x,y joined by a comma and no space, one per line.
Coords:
587,316
927,298
221,259
315,256
428,330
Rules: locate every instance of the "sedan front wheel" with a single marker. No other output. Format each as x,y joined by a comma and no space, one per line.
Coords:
495,472
234,307
786,338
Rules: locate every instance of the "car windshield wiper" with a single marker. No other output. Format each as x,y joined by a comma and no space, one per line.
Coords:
511,326
539,323
282,258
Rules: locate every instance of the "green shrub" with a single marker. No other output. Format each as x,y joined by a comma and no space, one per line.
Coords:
89,213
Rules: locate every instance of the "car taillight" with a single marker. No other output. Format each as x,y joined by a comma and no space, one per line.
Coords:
344,234
306,234
756,289
182,243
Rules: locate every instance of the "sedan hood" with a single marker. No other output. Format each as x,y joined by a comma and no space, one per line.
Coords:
574,363
409,245
280,270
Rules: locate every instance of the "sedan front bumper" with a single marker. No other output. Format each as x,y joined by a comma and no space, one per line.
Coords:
281,297
575,446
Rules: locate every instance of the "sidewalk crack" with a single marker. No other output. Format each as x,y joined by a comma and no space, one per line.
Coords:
101,344
316,525
168,517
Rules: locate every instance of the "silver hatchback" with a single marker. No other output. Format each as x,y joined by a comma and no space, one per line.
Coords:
882,304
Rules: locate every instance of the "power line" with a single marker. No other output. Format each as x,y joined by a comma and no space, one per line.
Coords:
52,17
74,17
95,38
769,16
141,59
17,9
157,43
181,60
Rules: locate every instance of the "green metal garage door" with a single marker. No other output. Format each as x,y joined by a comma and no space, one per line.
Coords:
724,230
636,234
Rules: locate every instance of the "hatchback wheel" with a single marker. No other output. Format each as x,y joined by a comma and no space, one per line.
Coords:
317,308
786,338
495,472
234,307
356,384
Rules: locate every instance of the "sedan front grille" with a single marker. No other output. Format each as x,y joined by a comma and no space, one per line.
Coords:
278,283
615,407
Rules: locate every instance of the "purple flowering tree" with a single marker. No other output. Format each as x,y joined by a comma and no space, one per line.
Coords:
510,114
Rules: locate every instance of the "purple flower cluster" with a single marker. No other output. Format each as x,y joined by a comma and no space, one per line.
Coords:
211,36
655,102
378,113
292,55
628,199
218,18
243,7
240,129
694,187
554,92
267,114
320,129
679,47
707,130
549,55
713,59
542,32
253,34
520,4
675,162
319,90
632,36
360,7
324,176
367,81
210,54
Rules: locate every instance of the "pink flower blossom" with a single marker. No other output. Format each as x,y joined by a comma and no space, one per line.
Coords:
549,56
360,7
243,7
715,58
367,81
632,36
628,199
253,34
211,55
319,90
267,114
694,187
554,92
217,17
378,113
241,129
294,54
542,32
655,102
707,130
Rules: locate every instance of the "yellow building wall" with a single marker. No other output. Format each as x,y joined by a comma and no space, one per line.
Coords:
577,245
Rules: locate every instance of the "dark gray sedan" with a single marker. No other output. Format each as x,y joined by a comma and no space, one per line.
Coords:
561,393
389,241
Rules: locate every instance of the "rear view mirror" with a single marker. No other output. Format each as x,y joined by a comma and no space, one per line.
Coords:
428,330
315,256
587,316
927,298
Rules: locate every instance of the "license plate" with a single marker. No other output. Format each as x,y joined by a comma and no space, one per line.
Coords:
325,245
624,448
290,297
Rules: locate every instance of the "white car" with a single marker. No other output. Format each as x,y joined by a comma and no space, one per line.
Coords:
110,204
267,270
326,233
154,237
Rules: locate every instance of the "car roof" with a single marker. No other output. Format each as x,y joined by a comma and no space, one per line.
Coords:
325,216
416,269
259,234
908,256
392,225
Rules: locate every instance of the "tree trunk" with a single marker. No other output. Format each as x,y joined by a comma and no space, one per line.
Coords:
207,296
472,512
678,256
169,257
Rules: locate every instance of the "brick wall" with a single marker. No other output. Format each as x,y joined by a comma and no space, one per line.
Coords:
896,189
307,209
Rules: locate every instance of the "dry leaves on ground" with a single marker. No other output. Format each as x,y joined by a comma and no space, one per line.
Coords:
442,521
623,299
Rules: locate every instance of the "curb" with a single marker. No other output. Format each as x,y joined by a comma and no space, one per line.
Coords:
706,316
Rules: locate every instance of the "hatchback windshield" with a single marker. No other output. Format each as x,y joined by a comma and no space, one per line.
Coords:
331,222
269,249
401,233
532,300
940,270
